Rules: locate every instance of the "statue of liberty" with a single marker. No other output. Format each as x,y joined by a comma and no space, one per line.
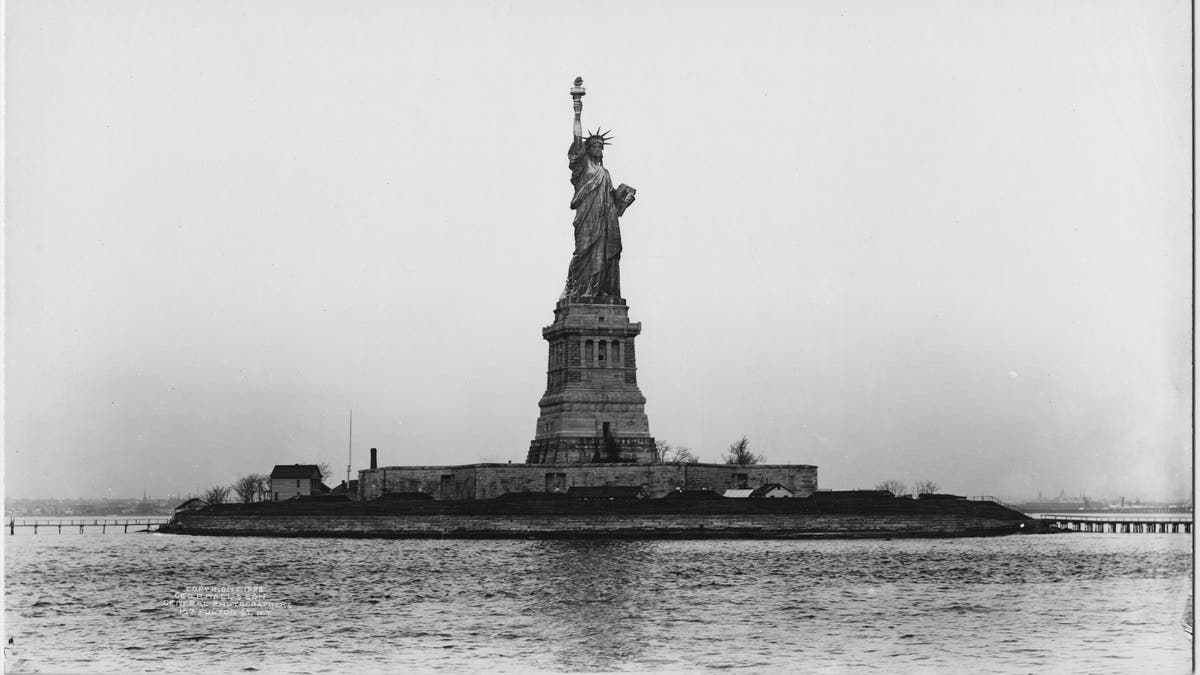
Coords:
594,274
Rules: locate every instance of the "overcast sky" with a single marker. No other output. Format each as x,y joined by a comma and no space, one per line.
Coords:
918,240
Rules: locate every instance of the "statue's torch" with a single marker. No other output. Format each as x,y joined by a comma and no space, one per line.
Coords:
577,93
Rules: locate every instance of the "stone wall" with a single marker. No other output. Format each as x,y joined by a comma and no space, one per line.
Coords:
486,481
598,525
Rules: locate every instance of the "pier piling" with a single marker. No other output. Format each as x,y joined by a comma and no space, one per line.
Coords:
1120,523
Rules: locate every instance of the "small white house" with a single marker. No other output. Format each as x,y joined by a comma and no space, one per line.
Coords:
295,480
738,494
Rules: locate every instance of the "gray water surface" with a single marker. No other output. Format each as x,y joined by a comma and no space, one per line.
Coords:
1091,603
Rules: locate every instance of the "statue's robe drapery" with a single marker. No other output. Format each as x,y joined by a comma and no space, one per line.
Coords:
595,266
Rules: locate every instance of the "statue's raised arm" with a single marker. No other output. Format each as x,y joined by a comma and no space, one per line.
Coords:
577,93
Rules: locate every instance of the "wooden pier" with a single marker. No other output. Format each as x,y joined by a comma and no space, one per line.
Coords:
1127,523
118,525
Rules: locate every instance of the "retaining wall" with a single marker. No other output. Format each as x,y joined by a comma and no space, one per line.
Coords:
596,525
486,481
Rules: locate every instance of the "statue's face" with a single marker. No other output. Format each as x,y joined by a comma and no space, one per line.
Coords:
596,150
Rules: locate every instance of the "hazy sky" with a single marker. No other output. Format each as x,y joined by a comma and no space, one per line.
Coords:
918,240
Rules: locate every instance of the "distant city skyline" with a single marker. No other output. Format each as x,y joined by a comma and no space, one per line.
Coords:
916,241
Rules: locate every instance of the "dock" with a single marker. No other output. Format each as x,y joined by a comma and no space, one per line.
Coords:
1121,523
140,524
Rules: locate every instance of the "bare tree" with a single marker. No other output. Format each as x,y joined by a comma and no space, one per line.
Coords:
739,453
925,487
675,454
264,487
895,487
249,487
326,472
216,494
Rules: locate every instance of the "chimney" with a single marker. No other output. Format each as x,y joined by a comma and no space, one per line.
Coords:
373,464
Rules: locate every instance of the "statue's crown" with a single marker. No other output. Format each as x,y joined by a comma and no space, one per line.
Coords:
598,137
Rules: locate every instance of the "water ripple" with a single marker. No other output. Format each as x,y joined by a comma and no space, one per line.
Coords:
1017,604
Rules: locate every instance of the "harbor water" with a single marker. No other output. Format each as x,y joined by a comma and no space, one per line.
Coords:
1087,603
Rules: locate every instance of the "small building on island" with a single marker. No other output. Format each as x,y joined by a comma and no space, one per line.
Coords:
350,489
191,504
296,480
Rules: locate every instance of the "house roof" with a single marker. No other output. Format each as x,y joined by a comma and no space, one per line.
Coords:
343,487
763,490
607,492
740,494
296,471
194,502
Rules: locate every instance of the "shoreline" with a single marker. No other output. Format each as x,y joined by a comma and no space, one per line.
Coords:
553,517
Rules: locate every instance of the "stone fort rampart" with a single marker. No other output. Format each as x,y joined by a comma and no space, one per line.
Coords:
486,481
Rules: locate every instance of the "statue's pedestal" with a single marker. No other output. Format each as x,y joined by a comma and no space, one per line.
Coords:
592,410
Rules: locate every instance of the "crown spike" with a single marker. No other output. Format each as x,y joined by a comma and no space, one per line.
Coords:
600,135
